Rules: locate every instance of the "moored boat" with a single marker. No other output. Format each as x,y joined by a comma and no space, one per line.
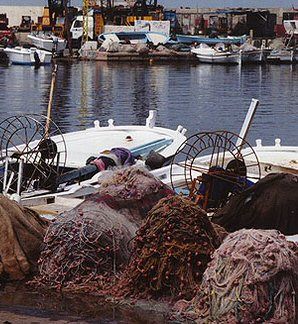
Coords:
251,54
216,55
283,56
28,56
48,42
226,157
46,162
135,37
271,159
191,39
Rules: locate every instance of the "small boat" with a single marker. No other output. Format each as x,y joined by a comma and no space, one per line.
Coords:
216,55
283,56
221,151
28,56
48,42
189,39
136,37
67,154
251,54
272,159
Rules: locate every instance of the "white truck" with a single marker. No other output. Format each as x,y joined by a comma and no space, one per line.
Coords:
76,28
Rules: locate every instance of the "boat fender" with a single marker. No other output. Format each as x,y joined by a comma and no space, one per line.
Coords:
104,163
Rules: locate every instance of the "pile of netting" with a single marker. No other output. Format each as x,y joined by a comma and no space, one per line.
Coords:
88,244
272,203
88,247
133,191
131,182
252,278
21,236
171,251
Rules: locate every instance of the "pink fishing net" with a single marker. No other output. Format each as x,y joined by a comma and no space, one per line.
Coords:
87,247
252,278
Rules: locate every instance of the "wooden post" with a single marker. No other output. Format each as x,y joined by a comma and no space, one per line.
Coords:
54,73
251,36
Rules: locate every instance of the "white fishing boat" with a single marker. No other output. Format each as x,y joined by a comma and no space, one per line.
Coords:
28,56
49,161
219,154
48,42
135,37
216,55
271,159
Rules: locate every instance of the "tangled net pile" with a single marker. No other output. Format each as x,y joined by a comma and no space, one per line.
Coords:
88,244
252,278
131,182
21,235
171,251
133,191
87,247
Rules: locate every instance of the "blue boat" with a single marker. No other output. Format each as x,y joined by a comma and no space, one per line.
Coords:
189,39
135,37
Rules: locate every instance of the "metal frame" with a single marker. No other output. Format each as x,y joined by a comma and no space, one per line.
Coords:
219,148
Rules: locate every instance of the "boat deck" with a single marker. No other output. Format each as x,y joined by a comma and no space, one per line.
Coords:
50,207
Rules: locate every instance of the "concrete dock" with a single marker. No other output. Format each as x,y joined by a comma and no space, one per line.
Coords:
153,56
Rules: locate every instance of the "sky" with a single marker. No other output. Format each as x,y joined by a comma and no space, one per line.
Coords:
183,3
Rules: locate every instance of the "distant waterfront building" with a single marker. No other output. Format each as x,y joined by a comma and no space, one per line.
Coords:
265,22
15,13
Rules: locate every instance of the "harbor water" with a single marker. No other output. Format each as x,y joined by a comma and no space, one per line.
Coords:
200,97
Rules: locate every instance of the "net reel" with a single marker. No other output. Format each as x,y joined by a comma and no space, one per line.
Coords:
32,153
211,167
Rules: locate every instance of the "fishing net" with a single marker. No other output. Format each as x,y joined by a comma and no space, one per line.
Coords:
252,278
133,191
134,182
87,244
272,203
220,231
171,251
21,237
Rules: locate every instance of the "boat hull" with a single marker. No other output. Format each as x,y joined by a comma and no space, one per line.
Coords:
188,39
219,59
22,56
283,57
48,44
272,159
252,57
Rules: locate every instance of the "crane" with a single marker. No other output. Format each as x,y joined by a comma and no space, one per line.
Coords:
56,9
87,4
60,8
85,8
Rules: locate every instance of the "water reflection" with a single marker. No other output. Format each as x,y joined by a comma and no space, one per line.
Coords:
200,97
